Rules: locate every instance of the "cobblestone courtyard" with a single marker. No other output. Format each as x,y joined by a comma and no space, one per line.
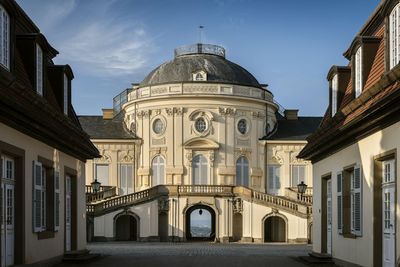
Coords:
195,254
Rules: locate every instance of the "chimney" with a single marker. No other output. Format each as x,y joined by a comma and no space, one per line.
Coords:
108,113
291,114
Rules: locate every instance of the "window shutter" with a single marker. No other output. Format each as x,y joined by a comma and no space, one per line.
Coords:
37,197
357,187
56,200
340,201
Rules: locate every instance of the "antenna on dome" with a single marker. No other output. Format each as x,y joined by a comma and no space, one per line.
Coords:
200,33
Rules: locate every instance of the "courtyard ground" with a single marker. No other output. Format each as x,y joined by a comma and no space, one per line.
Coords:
194,254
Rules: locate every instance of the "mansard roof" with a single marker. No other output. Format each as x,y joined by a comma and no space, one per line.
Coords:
99,128
377,107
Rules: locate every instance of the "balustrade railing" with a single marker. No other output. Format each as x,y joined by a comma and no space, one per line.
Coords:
292,193
89,188
290,205
102,194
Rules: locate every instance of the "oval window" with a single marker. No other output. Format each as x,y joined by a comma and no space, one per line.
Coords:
201,125
158,126
242,126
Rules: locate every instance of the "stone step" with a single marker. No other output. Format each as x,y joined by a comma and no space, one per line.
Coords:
79,256
318,259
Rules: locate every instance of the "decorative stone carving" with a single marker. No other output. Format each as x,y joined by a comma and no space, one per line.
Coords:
243,151
172,111
163,205
276,155
257,115
237,205
127,158
189,157
104,158
211,157
144,114
157,111
169,111
227,111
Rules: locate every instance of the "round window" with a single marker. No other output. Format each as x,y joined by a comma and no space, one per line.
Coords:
242,126
158,126
201,125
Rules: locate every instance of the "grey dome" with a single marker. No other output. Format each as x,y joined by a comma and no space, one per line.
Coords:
182,67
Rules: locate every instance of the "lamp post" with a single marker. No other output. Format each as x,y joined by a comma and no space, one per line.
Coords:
301,188
95,185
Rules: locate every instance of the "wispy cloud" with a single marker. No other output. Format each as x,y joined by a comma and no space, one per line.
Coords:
56,11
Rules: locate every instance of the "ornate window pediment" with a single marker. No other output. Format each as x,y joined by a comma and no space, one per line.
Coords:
199,143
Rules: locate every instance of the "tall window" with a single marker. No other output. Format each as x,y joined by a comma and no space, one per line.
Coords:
355,198
358,72
200,170
274,180
298,174
4,38
101,172
65,106
157,171
39,70
126,179
334,94
394,36
242,171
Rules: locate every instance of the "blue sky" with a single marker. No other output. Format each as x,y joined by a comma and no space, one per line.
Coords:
289,45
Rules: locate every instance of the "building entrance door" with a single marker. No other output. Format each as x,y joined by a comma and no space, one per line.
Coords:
67,213
329,216
388,214
8,212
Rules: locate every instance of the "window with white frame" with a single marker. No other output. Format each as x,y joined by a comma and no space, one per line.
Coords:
57,193
102,173
199,170
298,175
126,179
39,70
65,105
358,72
274,180
242,171
394,36
334,94
4,38
39,197
158,171
8,168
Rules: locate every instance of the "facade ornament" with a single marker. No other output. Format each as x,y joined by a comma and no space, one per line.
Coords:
169,111
257,115
144,114
189,157
126,158
275,211
104,158
163,205
211,157
275,156
157,111
172,111
179,111
227,111
237,205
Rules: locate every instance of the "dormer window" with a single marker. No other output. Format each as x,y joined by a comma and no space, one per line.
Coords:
200,76
4,38
394,38
334,84
39,70
358,84
65,106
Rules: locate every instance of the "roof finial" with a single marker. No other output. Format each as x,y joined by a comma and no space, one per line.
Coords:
200,32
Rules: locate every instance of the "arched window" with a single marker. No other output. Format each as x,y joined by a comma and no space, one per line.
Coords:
157,171
394,36
200,170
4,38
242,171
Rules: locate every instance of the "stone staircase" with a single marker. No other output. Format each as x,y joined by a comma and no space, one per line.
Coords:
98,206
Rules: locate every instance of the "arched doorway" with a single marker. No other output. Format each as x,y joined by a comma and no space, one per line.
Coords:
200,223
126,228
274,229
237,226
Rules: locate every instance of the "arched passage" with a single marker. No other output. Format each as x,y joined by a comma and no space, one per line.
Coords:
200,223
275,229
126,227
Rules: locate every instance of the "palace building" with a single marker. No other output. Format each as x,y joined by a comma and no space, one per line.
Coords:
355,151
43,148
199,139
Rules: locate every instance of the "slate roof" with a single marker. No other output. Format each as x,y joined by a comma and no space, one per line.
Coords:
98,128
218,69
298,129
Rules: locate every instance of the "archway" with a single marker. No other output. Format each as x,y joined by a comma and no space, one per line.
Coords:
200,223
126,228
274,229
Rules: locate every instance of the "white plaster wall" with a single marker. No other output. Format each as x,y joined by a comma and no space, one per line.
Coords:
37,250
147,212
360,249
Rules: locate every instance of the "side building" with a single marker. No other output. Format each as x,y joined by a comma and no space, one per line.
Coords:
355,151
199,139
43,148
